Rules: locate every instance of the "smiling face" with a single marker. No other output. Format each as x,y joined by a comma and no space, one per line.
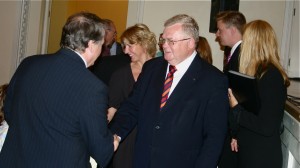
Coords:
135,51
178,45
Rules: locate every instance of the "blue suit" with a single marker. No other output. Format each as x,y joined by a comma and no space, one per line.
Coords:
190,129
56,111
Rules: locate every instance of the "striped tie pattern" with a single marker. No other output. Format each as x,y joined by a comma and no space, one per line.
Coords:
167,86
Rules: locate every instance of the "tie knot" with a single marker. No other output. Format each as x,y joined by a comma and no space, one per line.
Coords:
172,69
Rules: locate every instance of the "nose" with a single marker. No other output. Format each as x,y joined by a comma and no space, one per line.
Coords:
125,50
165,44
217,33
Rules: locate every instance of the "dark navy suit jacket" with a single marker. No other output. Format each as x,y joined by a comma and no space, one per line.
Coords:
190,130
233,63
56,111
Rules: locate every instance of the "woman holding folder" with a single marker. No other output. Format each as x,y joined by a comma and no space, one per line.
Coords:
256,135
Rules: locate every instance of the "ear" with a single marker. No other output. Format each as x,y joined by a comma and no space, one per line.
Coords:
91,47
233,29
191,43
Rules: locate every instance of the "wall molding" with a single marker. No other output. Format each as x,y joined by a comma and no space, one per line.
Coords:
23,24
286,34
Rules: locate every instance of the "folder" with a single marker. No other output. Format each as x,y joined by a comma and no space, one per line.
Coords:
245,90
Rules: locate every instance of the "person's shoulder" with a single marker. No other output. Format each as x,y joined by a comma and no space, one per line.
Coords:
210,70
122,69
154,61
272,73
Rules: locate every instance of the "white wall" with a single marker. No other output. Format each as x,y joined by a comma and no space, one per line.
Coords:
153,13
9,16
14,41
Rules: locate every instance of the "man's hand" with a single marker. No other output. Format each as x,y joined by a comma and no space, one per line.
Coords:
110,113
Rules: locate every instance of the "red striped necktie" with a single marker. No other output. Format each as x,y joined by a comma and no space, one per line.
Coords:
167,86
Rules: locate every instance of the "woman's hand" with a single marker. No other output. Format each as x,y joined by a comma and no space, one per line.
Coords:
234,145
232,100
116,142
111,113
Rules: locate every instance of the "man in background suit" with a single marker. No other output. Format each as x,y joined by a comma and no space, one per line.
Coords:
230,28
110,47
189,130
112,55
56,108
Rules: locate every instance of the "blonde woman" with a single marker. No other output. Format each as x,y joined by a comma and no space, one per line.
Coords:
257,137
140,44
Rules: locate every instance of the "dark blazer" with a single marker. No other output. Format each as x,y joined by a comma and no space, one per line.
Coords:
233,63
104,67
56,111
190,129
258,135
119,49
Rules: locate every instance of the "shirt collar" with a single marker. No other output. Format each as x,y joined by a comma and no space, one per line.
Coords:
185,64
235,46
81,57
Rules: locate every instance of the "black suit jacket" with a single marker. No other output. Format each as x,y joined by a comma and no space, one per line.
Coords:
104,67
56,111
190,129
119,49
233,63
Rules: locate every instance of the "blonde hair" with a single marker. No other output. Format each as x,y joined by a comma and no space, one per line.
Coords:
204,50
141,34
3,89
260,49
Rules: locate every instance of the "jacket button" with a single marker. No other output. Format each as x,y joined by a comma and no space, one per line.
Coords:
157,127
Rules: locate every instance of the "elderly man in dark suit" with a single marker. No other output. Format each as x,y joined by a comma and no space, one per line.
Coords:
180,112
56,108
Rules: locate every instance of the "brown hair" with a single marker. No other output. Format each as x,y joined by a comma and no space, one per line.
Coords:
79,29
204,50
3,89
232,18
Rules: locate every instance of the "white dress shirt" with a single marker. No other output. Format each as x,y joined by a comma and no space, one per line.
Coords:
181,69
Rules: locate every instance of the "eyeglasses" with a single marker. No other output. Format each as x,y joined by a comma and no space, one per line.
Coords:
170,42
113,31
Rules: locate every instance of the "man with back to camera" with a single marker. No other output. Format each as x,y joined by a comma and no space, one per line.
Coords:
175,103
56,108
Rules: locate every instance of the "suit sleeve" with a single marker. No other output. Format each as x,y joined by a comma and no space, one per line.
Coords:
93,123
215,126
267,121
